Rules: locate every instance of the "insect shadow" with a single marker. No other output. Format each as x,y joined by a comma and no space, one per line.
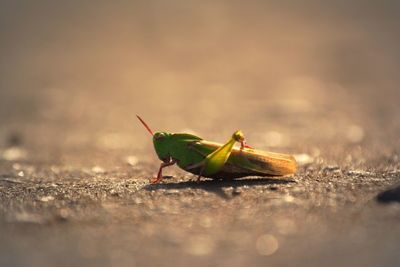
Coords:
389,195
217,186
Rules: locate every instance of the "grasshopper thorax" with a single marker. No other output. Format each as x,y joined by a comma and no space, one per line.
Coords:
161,141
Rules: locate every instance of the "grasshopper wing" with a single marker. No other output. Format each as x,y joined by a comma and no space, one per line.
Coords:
246,162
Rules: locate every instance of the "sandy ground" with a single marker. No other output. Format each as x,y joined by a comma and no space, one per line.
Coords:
319,81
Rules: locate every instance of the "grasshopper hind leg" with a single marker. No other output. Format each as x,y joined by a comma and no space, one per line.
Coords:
215,161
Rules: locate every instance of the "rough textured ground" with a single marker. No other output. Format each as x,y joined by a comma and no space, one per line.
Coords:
319,81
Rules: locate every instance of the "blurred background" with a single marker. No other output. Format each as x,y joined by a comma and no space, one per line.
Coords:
75,73
317,79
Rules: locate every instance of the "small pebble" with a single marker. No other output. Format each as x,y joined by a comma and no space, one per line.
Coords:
98,169
47,198
114,193
355,134
132,160
288,199
315,152
331,169
267,245
10,180
24,217
17,166
199,245
206,222
55,169
138,200
14,153
63,214
303,159
236,192
172,192
358,172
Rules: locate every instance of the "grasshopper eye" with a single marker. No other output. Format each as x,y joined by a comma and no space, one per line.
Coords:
159,136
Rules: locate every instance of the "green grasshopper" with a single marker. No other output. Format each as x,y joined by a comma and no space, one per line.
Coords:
218,161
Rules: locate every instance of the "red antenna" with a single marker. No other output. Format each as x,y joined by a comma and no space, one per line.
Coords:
145,125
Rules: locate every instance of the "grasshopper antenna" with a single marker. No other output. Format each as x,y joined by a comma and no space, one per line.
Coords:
145,125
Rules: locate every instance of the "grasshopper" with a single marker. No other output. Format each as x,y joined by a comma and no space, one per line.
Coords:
218,161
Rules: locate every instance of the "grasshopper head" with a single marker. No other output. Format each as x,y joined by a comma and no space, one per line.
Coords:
161,141
238,136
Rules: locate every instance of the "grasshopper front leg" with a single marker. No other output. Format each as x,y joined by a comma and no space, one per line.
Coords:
159,175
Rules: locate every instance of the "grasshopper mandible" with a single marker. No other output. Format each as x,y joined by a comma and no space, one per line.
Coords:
218,161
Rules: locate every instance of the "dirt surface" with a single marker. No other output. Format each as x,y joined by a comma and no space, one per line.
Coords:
316,80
